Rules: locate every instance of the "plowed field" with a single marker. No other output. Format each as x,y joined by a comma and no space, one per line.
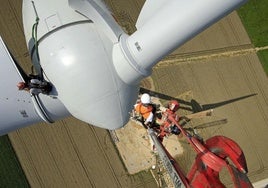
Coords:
71,153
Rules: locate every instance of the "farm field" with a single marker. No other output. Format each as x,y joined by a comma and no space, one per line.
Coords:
71,153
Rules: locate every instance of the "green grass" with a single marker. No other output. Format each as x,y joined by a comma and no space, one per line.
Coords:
263,56
11,173
254,16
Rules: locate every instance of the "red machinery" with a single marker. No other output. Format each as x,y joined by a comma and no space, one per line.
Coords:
212,156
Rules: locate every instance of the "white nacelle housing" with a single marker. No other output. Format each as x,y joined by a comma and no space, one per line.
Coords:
95,67
76,56
85,77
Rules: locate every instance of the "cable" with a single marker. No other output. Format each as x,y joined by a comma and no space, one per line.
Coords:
34,36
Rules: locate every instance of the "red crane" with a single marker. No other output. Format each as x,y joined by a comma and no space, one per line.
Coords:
212,156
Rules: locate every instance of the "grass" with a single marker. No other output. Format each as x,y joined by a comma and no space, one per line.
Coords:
11,173
263,56
254,16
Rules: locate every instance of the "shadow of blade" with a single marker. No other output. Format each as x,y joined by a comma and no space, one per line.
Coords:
219,104
166,97
194,106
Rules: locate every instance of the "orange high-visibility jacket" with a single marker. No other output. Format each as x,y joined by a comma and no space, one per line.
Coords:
144,111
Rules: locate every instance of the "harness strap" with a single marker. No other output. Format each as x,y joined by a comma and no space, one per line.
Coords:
149,110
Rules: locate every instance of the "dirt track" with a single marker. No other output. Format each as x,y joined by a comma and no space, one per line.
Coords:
70,153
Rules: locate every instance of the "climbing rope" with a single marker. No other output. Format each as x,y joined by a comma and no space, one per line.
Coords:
34,37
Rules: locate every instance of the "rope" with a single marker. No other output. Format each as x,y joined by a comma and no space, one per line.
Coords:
34,36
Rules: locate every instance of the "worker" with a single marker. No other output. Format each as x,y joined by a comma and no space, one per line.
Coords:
145,110
23,86
35,86
166,125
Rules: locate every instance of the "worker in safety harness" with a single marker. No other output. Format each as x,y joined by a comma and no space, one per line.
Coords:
166,125
35,86
144,110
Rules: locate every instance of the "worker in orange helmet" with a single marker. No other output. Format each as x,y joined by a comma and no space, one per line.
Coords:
23,86
145,109
166,126
35,86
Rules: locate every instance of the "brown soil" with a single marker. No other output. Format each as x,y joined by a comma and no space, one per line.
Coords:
71,153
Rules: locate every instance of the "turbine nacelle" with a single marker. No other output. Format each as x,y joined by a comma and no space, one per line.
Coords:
95,68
